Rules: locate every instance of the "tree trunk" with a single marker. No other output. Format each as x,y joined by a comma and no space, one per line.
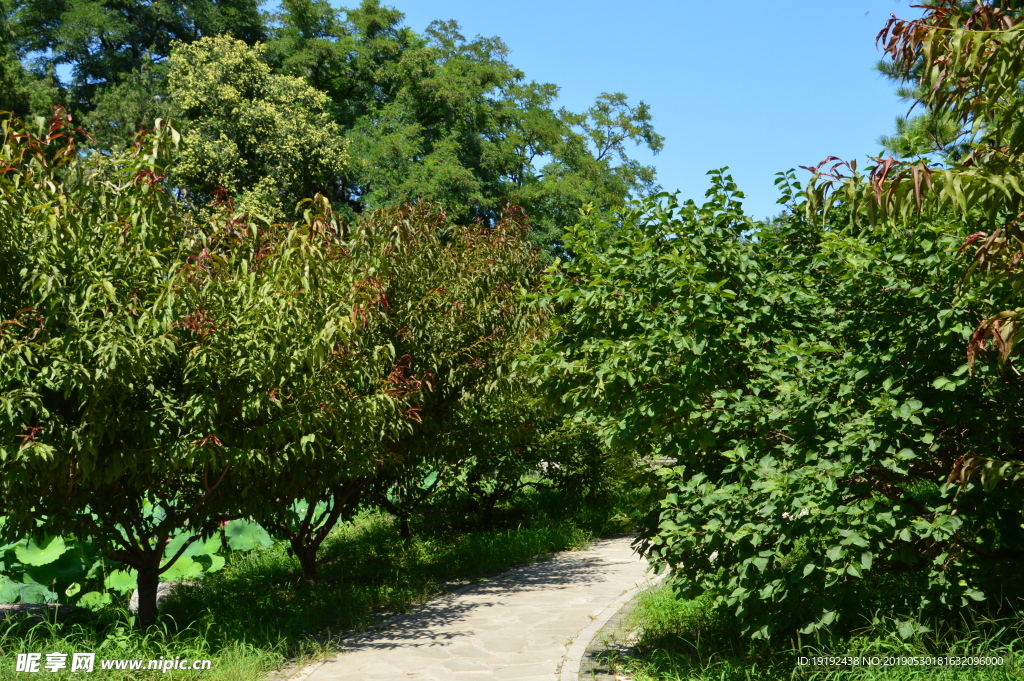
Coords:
306,553
307,538
149,580
404,528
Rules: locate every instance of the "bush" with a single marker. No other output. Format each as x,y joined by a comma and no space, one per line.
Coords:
810,381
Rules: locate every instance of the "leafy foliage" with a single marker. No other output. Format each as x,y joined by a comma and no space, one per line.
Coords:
265,139
805,380
105,42
965,59
161,373
432,117
443,301
23,91
442,118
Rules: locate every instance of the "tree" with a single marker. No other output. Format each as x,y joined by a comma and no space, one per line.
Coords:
265,139
105,42
444,301
432,117
23,91
441,118
162,375
965,58
807,380
935,130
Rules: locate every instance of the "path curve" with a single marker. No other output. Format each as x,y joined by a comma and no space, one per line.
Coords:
523,625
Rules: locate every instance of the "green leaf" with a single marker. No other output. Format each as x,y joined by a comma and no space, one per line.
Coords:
94,600
36,594
209,562
183,569
121,580
245,535
48,550
9,589
974,594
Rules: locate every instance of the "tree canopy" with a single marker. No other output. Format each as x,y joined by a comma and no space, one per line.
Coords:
163,374
421,117
809,381
105,42
266,140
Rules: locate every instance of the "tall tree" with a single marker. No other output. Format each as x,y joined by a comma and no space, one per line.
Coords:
966,60
809,381
104,43
439,117
932,130
268,140
443,301
23,91
158,374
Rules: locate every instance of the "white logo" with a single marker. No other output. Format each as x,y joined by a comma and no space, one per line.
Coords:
27,662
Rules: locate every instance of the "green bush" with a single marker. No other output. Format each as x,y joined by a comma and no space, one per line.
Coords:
811,383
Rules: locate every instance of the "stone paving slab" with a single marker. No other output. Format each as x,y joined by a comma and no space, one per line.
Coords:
517,627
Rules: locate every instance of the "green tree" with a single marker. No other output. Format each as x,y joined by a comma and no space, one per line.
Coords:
105,42
431,117
964,58
266,139
443,301
161,375
936,131
808,380
437,117
23,91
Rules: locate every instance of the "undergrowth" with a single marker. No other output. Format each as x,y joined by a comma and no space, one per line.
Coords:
688,640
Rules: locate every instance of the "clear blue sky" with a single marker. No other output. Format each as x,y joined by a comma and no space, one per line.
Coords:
756,86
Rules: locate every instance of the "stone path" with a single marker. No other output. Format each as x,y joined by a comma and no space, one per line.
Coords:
529,624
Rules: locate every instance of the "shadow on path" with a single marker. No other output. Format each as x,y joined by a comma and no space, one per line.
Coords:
429,625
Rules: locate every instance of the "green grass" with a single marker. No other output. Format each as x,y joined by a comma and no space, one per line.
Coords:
689,641
112,637
258,614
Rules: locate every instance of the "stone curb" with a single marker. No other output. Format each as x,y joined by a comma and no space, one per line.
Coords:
577,650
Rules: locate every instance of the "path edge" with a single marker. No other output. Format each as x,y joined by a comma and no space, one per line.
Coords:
569,670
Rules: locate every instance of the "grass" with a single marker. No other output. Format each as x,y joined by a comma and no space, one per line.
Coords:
258,614
689,641
112,637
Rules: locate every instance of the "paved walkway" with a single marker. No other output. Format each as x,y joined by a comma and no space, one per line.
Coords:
530,624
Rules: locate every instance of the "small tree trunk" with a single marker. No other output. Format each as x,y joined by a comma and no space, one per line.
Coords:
306,553
404,528
490,502
149,580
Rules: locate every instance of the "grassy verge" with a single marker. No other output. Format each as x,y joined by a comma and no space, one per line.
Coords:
688,641
258,613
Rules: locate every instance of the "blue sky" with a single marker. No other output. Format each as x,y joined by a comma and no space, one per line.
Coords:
756,86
